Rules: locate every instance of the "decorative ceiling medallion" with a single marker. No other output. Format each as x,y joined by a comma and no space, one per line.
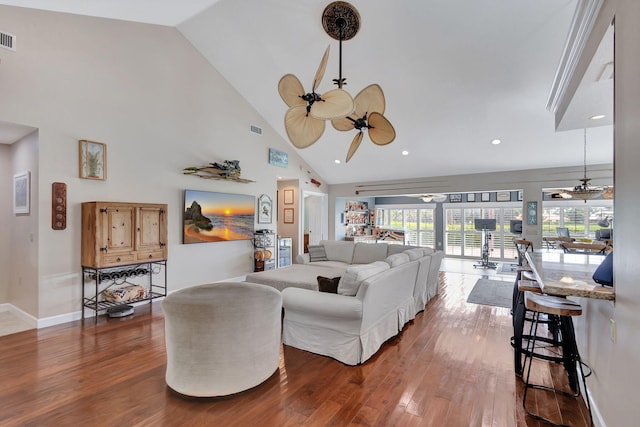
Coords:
335,15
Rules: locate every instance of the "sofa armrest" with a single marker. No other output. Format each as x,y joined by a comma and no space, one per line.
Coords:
321,304
303,259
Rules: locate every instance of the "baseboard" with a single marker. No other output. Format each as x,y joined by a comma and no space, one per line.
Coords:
22,315
59,319
598,421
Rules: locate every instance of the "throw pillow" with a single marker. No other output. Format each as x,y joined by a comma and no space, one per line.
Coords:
355,274
397,259
326,284
317,253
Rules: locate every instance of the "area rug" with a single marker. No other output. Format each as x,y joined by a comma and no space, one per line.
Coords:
507,268
492,292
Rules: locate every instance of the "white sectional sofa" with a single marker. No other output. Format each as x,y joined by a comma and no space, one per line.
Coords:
342,254
382,288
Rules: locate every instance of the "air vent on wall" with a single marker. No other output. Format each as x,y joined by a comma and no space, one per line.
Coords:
7,41
255,129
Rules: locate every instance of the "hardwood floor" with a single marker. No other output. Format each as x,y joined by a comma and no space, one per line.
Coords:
451,366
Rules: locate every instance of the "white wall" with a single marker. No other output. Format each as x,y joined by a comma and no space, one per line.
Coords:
616,365
23,237
159,106
6,214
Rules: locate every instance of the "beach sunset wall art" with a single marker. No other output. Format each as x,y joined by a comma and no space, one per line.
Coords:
217,217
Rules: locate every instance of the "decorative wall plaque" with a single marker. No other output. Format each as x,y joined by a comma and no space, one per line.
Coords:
58,205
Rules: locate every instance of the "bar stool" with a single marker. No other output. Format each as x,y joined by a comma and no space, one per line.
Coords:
525,282
563,310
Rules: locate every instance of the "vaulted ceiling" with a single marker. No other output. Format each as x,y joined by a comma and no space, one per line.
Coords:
456,75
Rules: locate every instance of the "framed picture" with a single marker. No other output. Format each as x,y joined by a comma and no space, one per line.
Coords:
485,197
21,187
520,195
288,196
93,160
278,158
471,197
503,196
532,213
288,215
265,209
455,198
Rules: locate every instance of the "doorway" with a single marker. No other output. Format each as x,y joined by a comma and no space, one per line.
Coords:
315,218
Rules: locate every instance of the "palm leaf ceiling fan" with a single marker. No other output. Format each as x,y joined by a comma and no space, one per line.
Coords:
305,119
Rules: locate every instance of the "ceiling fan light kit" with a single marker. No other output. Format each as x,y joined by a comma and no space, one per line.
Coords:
305,119
583,191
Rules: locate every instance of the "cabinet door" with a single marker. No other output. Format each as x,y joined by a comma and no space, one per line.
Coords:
118,227
151,232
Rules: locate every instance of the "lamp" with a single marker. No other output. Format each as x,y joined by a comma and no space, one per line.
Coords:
584,191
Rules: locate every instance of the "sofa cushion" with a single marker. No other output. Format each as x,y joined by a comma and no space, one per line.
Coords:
366,253
427,251
396,249
414,254
397,259
330,285
317,253
338,250
355,274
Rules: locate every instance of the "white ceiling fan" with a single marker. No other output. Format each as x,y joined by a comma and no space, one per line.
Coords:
582,191
433,197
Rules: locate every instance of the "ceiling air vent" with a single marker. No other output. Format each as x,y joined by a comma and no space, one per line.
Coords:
7,41
256,129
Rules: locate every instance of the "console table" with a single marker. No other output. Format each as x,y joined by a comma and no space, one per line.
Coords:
568,274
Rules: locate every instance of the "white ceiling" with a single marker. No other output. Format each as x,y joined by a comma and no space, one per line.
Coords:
456,75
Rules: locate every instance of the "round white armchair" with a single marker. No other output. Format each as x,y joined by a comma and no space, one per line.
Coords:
221,338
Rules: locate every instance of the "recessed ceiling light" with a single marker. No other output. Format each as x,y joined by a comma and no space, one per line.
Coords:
336,161
495,141
597,117
405,153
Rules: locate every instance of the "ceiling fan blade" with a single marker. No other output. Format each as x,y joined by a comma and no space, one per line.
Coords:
302,129
343,124
336,103
354,145
321,69
370,99
290,90
381,131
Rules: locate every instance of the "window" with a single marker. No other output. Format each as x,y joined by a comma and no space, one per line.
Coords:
579,218
462,239
417,223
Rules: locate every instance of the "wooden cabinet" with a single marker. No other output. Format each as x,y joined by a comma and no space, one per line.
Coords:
115,233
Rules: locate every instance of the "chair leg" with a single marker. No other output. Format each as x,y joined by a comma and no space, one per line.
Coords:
529,353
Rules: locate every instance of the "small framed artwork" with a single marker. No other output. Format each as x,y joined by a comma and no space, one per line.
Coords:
278,158
485,197
265,209
532,213
288,196
455,198
471,197
93,160
288,215
21,196
520,195
503,196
